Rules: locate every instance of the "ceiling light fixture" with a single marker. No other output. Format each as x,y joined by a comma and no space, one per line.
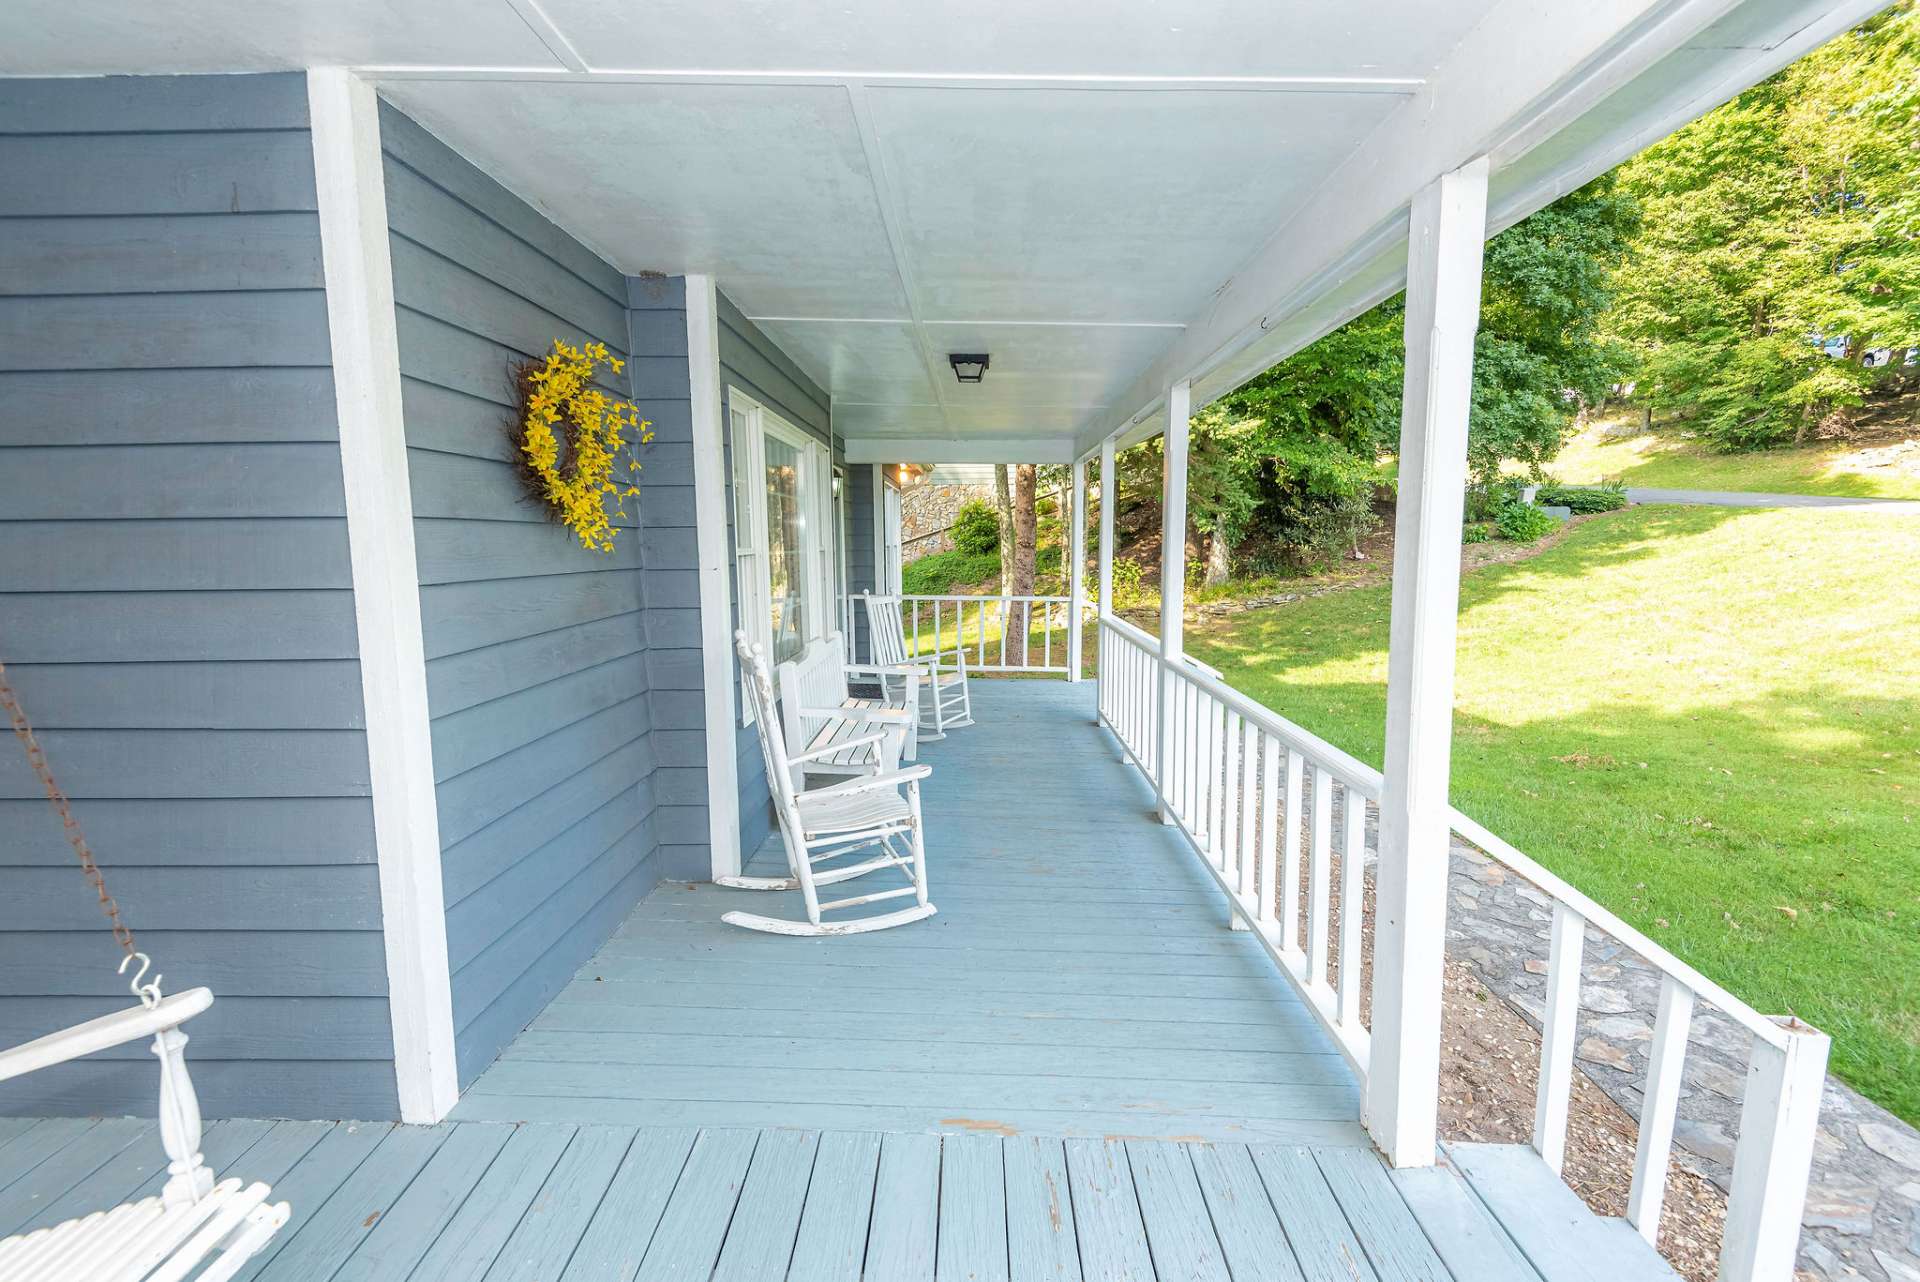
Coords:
968,368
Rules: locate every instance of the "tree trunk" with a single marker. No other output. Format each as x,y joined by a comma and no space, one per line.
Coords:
1025,537
1219,558
1003,503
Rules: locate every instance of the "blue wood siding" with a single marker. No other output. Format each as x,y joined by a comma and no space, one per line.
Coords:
863,499
538,675
657,323
751,362
177,611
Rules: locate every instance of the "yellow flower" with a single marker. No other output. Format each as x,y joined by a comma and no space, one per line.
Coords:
596,428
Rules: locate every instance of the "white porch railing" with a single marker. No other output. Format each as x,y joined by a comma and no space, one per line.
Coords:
1254,794
980,625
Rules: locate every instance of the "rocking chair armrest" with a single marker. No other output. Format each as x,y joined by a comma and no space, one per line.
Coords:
117,1029
859,714
871,783
828,750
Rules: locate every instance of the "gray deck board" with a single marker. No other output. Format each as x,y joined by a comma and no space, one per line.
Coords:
1078,980
1074,1073
466,1201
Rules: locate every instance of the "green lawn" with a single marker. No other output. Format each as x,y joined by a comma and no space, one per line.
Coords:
1667,462
1709,719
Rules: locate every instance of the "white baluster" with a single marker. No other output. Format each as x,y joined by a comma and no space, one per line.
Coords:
1226,810
1657,1108
1269,827
1291,830
1556,1035
1318,876
1353,873
188,1179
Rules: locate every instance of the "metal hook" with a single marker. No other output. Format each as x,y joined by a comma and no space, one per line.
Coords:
149,992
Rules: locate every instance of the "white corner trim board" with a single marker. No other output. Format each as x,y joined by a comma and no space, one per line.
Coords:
710,547
386,585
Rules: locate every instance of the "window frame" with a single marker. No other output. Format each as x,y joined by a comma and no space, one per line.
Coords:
750,424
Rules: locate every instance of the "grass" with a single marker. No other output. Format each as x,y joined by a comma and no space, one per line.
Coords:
1706,718
1658,461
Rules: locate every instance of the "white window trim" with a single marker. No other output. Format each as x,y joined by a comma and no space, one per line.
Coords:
750,424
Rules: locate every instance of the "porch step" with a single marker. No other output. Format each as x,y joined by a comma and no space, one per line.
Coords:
1561,1238
1469,1241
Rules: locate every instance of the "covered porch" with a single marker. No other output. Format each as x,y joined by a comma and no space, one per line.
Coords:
1077,1070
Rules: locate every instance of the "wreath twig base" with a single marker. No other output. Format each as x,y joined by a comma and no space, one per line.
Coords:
569,436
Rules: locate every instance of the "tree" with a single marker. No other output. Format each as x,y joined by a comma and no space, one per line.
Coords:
1786,219
1003,506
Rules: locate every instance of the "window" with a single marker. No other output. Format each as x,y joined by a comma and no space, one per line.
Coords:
784,544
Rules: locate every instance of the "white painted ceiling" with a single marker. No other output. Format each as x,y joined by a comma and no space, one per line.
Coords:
1077,187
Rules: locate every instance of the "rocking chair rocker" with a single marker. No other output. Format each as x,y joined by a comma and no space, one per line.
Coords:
156,1239
822,825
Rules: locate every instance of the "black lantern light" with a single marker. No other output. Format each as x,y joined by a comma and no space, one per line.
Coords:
968,368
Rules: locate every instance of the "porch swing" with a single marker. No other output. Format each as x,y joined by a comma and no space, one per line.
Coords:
167,1237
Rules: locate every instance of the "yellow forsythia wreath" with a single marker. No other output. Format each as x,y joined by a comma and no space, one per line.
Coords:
571,434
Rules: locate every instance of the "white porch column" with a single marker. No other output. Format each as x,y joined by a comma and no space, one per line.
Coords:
1108,491
358,272
718,680
1077,557
1446,242
1173,572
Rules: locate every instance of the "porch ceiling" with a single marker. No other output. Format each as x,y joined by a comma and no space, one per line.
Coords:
1106,195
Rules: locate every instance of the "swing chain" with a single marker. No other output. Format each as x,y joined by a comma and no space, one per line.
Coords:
148,993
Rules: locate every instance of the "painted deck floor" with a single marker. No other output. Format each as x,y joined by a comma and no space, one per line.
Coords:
1074,1072
553,1202
1079,980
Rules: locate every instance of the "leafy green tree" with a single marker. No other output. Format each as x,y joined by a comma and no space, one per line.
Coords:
1785,218
1294,452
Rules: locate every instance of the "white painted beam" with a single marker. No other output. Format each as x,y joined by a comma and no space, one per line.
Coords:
1443,311
713,559
985,449
1518,79
358,272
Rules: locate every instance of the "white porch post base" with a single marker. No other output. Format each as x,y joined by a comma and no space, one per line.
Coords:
1173,576
1446,242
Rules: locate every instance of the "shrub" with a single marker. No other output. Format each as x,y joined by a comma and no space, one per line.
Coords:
943,573
1128,591
976,528
1584,500
1522,523
1476,534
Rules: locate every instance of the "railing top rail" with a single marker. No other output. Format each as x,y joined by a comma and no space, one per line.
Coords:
1363,778
1759,1025
980,596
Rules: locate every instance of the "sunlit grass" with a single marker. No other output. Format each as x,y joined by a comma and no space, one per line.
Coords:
1709,719
1658,461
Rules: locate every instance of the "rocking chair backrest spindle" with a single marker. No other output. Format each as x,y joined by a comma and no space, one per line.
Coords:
773,748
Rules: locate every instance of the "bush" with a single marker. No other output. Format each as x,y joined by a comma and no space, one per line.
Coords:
1128,591
1476,534
1523,523
1584,500
946,572
976,528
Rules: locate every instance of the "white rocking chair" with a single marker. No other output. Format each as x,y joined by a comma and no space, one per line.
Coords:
156,1239
945,703
821,825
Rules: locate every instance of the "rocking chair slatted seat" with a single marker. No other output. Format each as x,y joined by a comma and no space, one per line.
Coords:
175,1235
820,826
817,710
945,703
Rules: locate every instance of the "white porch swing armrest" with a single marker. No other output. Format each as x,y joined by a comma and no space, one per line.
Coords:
871,783
828,750
116,1029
